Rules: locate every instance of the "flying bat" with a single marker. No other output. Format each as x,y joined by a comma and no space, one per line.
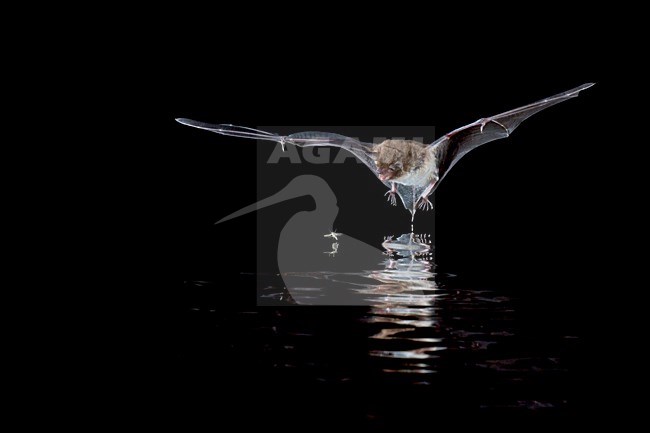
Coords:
409,169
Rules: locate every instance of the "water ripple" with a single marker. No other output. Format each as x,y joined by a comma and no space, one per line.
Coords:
415,323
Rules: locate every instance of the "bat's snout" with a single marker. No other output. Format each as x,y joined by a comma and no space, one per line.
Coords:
386,174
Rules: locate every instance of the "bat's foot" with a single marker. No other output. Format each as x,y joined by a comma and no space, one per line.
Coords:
425,204
392,198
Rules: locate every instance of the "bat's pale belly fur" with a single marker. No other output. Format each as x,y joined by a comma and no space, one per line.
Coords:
419,162
426,174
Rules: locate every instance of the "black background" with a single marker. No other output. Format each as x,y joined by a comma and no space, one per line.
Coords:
530,209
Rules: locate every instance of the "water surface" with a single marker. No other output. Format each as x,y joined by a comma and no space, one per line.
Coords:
422,343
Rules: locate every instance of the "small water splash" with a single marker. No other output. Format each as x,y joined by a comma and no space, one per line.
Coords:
408,245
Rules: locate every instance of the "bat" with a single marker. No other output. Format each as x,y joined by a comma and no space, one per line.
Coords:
411,170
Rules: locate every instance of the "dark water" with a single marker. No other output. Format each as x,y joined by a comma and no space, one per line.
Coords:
429,346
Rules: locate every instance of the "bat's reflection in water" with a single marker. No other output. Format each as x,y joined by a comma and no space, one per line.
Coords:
401,294
404,302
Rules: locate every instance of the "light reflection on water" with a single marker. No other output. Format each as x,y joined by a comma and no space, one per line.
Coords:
416,325
411,315
405,300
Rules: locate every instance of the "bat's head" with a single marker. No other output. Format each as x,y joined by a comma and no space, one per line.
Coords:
389,170
393,159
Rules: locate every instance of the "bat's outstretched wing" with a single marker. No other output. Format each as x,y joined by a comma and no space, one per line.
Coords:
363,151
453,146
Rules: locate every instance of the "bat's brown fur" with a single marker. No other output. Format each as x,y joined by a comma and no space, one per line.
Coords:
398,157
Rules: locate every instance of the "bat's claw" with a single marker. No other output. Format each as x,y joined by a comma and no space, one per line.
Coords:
391,198
425,204
485,121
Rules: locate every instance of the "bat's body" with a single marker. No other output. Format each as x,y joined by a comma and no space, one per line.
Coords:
410,169
404,162
409,164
